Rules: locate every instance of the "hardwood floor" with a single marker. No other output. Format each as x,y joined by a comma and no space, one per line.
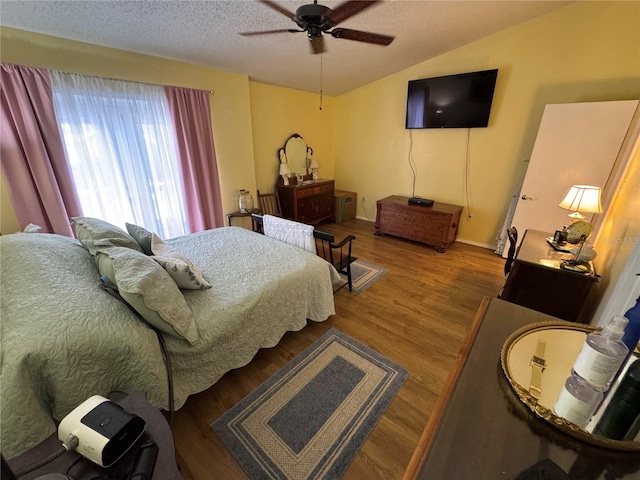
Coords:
417,315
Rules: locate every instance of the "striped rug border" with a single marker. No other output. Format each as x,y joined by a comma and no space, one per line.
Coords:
259,462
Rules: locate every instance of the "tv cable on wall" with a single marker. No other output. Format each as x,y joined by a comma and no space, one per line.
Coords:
415,200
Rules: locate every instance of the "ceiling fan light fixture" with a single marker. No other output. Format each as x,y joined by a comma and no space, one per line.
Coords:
314,31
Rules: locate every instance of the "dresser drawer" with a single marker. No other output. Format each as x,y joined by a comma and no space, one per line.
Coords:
423,219
315,208
306,192
415,230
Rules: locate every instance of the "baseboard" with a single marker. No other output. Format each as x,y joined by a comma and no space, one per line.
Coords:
477,244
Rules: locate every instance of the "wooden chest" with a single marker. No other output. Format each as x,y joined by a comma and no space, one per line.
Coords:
310,203
436,225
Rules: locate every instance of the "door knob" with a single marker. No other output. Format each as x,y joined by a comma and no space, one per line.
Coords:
527,197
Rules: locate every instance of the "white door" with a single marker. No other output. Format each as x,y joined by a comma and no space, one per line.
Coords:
577,144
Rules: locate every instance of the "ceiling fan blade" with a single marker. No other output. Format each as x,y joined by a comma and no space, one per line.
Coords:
360,36
317,44
349,8
278,8
266,32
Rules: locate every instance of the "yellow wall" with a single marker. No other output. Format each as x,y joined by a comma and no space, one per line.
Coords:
230,106
620,232
587,51
276,114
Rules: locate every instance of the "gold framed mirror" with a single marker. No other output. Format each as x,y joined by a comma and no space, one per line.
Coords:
536,360
297,154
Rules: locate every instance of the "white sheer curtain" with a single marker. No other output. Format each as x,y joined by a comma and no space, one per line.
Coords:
119,141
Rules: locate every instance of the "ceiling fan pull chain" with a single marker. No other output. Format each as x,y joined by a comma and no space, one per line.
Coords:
321,81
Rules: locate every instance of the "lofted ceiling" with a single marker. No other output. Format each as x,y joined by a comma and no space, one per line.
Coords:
207,32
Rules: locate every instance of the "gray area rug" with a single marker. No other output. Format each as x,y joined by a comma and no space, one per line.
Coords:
309,419
363,275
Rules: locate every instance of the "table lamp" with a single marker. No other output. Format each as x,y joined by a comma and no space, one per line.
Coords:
582,198
314,166
284,172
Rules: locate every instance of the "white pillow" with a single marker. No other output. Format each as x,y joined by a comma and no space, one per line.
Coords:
182,270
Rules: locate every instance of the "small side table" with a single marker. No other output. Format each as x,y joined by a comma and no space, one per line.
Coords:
240,214
156,429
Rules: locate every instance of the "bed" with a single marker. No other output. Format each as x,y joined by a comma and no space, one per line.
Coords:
64,338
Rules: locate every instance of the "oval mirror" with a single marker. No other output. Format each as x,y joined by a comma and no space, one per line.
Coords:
296,153
554,345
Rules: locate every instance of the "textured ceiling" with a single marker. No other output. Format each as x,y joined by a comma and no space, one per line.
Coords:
207,32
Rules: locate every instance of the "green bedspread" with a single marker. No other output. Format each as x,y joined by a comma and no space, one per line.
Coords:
64,339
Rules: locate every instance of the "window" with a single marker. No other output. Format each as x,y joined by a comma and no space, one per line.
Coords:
119,142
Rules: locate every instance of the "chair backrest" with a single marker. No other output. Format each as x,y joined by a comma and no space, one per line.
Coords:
269,204
512,234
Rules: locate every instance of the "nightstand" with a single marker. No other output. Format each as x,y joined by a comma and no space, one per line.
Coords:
157,429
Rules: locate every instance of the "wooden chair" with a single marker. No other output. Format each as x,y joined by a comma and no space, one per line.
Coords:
337,254
269,203
512,234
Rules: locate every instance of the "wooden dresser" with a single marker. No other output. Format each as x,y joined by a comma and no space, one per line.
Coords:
309,203
479,428
436,225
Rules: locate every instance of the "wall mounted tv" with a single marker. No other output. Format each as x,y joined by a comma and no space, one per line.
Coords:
452,101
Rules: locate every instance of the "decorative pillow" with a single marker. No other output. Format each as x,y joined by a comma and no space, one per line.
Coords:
142,236
94,233
149,289
181,269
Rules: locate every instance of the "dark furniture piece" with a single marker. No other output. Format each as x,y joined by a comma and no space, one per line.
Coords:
537,281
512,235
157,429
480,430
308,203
337,254
436,225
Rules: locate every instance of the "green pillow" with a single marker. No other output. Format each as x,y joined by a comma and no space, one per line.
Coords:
94,233
142,236
149,289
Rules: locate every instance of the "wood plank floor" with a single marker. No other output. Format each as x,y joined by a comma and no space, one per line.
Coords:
417,315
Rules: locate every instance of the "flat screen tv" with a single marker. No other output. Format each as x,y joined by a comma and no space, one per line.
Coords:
452,101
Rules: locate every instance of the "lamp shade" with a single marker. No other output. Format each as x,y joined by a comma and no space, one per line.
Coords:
284,169
582,198
314,163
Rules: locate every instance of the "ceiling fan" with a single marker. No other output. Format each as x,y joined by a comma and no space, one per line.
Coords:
317,19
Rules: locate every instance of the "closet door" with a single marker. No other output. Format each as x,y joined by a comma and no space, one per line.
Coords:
577,144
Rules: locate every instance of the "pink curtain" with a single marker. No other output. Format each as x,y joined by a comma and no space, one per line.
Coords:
194,139
34,166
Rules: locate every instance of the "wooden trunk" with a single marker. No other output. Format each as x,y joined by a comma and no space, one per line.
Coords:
435,225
